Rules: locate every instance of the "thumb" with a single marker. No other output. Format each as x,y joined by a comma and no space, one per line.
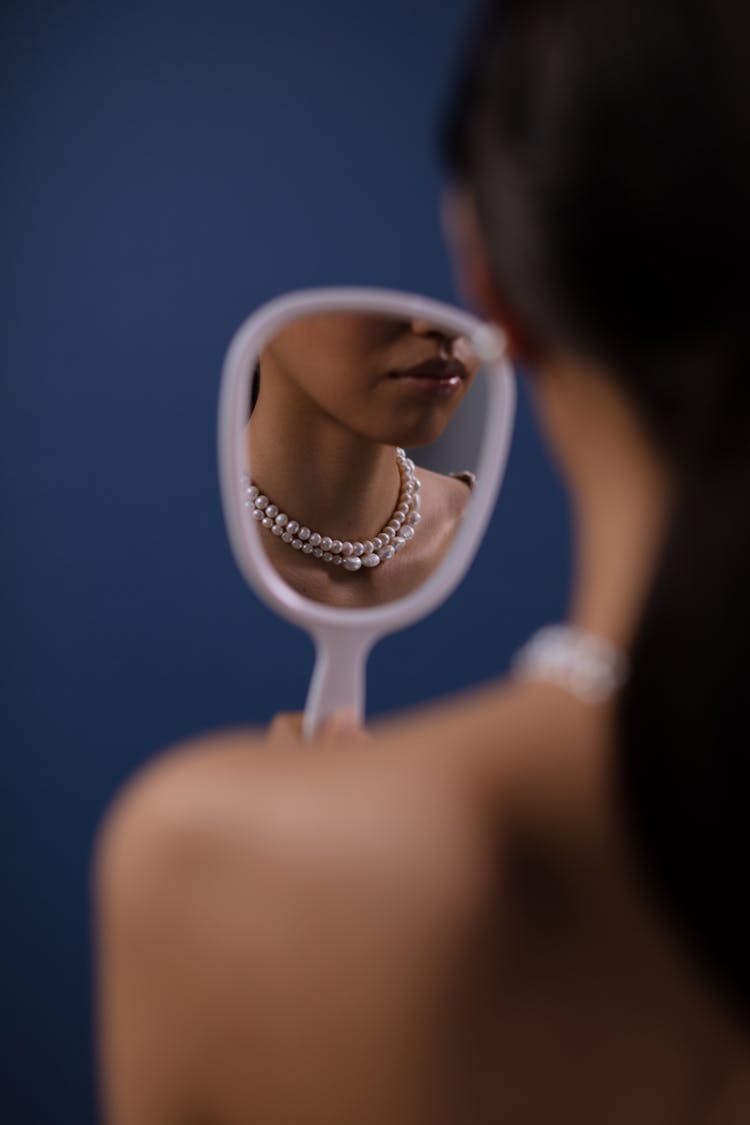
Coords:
341,724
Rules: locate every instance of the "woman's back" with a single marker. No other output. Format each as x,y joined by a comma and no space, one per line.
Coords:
441,929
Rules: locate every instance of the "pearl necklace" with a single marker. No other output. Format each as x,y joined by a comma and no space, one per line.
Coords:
397,532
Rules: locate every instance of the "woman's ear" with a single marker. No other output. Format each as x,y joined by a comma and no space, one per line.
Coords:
474,278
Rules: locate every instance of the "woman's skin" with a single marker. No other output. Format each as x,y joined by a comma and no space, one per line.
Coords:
324,431
441,923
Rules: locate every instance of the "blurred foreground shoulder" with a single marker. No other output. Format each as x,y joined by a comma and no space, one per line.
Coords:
270,921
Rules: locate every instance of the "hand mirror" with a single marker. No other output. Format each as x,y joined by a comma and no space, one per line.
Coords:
363,435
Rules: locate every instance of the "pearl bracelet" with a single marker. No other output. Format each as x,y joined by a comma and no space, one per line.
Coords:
588,666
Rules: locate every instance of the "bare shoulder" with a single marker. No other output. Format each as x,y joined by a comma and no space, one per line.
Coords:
302,904
268,915
283,930
450,493
425,787
334,813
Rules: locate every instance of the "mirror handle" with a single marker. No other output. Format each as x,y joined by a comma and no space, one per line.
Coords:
338,680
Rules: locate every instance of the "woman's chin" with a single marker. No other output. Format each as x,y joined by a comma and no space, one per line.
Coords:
417,438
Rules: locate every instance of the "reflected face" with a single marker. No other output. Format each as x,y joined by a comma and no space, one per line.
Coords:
340,397
392,381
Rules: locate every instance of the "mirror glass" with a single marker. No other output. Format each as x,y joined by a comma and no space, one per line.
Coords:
362,433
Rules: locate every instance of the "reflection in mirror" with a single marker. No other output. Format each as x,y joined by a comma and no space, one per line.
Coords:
362,436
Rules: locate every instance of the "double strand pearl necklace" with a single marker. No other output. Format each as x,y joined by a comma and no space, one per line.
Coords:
351,555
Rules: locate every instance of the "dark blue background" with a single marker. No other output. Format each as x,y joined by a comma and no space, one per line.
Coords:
167,167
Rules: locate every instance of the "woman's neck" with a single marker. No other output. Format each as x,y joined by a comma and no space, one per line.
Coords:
621,491
317,470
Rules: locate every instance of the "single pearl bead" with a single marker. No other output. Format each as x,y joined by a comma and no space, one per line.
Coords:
297,544
272,510
369,546
282,519
304,533
337,560
387,553
386,535
276,530
358,549
257,514
346,548
253,492
371,560
407,532
352,563
403,508
414,518
327,556
307,549
315,538
377,543
336,547
326,542
293,526
287,537
317,552
261,501
399,542
267,521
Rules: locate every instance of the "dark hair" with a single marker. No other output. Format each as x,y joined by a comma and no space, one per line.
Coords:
607,146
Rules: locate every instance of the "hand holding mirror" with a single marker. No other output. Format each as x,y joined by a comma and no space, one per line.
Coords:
362,439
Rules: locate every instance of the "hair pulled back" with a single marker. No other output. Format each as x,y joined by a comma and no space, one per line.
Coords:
607,146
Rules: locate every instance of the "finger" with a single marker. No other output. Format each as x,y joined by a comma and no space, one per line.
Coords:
343,724
285,726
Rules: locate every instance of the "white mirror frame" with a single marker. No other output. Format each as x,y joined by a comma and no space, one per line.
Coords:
344,637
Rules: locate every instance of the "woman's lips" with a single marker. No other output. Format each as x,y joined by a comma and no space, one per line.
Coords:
435,375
